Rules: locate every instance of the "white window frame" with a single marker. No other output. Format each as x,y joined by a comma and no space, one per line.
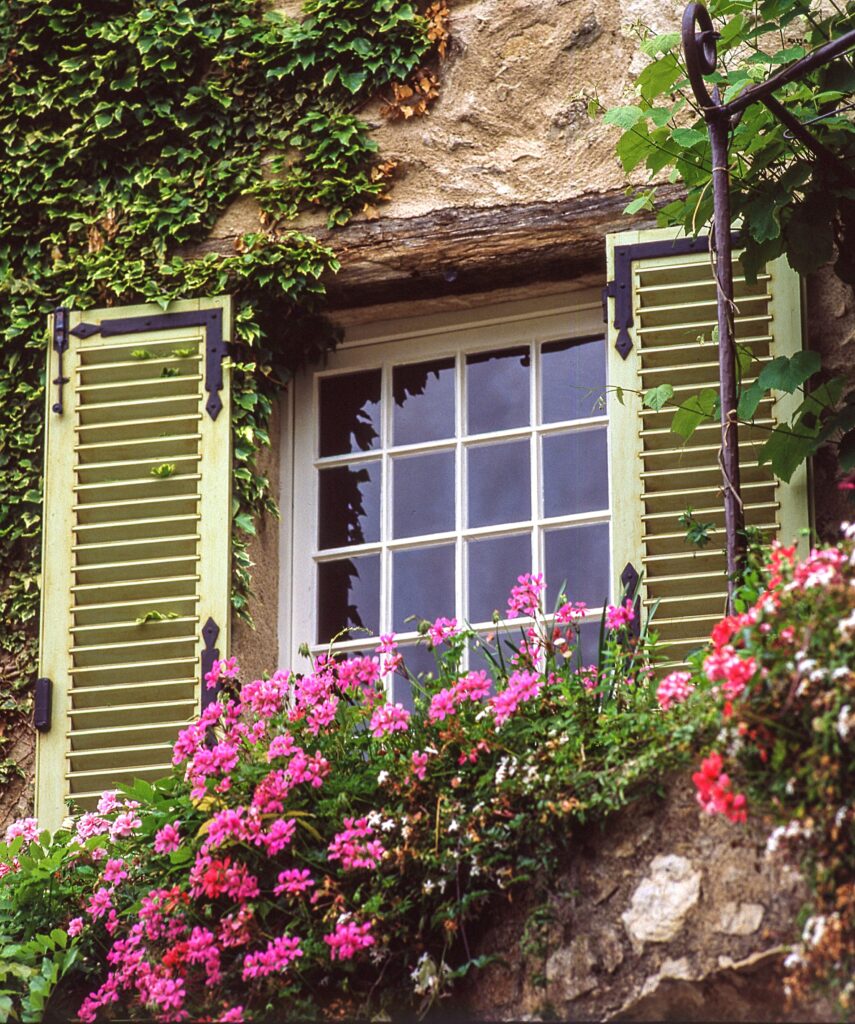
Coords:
397,342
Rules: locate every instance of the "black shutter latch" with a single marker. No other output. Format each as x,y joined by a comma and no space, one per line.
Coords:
44,688
60,344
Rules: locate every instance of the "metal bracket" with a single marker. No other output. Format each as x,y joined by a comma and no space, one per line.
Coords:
210,632
215,347
60,344
42,701
620,289
630,579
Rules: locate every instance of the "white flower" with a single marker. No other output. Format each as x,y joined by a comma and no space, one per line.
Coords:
840,817
840,673
845,723
847,626
428,886
382,776
388,825
453,825
374,818
814,930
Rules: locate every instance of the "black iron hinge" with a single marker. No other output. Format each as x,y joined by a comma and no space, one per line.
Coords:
620,289
630,580
216,347
210,632
42,701
60,344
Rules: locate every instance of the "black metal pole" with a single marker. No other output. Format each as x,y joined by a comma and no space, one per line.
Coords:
734,516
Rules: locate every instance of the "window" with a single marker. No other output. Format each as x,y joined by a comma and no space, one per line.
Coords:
433,467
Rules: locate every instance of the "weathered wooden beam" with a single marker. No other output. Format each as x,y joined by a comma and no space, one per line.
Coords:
462,249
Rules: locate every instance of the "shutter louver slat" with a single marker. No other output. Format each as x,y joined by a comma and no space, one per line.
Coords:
655,475
136,551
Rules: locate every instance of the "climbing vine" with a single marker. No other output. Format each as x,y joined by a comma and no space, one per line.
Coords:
128,127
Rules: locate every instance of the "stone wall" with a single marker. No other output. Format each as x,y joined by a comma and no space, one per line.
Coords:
664,914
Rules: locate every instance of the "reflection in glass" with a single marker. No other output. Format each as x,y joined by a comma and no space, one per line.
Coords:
349,505
494,565
499,483
589,641
575,472
424,402
578,557
497,390
423,494
574,379
350,413
348,595
422,585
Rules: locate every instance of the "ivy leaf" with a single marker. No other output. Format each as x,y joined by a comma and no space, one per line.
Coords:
785,450
693,412
688,137
624,117
164,470
750,398
846,451
153,615
657,397
788,373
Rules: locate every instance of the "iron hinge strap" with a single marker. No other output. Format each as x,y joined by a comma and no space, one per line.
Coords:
60,345
216,348
620,289
630,581
210,632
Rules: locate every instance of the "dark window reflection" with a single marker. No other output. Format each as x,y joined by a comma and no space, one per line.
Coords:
419,661
497,390
423,494
499,483
578,557
348,595
349,505
424,402
575,473
350,413
422,585
494,565
574,379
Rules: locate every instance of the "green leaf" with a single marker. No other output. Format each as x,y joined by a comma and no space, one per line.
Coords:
657,397
693,412
624,117
846,451
786,451
688,137
788,373
164,470
153,615
749,399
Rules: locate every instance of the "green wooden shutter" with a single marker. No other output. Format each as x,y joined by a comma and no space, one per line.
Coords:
663,303
136,527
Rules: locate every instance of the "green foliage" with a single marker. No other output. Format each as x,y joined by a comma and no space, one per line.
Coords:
465,801
784,199
128,129
788,725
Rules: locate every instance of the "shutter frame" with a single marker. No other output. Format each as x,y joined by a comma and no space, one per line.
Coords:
151,524
642,502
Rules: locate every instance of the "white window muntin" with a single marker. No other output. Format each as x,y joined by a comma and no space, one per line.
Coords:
415,345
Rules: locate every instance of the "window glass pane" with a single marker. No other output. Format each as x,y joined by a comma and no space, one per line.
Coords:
424,402
497,390
423,494
575,472
589,641
349,505
422,585
574,378
494,565
350,413
348,595
578,557
499,483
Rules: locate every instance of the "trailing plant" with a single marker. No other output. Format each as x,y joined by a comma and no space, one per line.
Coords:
784,199
128,129
783,670
322,852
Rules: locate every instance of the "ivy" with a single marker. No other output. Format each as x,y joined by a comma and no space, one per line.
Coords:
785,200
128,127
